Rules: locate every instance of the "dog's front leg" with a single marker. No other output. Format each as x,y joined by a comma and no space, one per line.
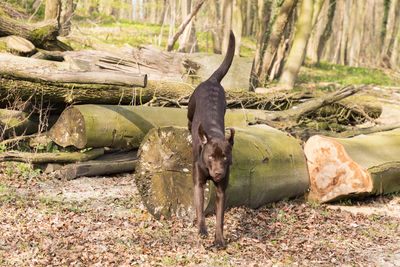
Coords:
199,181
220,209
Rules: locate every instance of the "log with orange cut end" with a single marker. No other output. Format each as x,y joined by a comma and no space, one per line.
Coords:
362,165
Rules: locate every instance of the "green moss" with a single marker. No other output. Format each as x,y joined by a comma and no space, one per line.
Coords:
4,47
41,34
2,13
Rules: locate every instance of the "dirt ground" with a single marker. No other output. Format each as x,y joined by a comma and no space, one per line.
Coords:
101,221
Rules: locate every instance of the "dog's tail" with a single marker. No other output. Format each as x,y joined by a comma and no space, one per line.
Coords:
219,74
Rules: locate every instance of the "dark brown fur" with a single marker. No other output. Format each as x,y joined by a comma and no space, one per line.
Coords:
212,151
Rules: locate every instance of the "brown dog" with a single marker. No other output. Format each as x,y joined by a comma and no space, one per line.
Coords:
212,151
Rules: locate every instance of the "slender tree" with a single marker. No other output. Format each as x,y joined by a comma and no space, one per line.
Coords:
52,10
268,47
298,49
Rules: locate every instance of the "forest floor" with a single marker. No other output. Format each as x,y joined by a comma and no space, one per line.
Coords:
102,221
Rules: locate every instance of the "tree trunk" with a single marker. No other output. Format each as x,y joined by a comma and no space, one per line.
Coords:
122,126
182,27
217,30
269,52
362,165
226,18
298,49
392,28
164,178
264,15
237,25
188,40
42,35
52,10
67,11
327,31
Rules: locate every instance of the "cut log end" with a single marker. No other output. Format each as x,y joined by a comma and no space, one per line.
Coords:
163,176
69,130
333,173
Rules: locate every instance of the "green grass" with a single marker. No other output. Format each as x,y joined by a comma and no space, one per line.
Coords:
344,75
120,32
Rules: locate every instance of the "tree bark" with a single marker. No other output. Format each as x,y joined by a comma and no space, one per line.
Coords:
362,165
164,178
298,49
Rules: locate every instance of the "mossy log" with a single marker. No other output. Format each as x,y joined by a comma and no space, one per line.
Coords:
42,35
263,170
156,93
123,126
60,157
347,167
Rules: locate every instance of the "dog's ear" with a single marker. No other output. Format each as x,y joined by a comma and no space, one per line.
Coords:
203,135
231,136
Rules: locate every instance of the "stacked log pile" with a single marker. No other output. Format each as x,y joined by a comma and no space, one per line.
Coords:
85,113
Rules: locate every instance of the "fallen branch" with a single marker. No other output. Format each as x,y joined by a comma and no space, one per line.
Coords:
104,165
60,157
289,118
